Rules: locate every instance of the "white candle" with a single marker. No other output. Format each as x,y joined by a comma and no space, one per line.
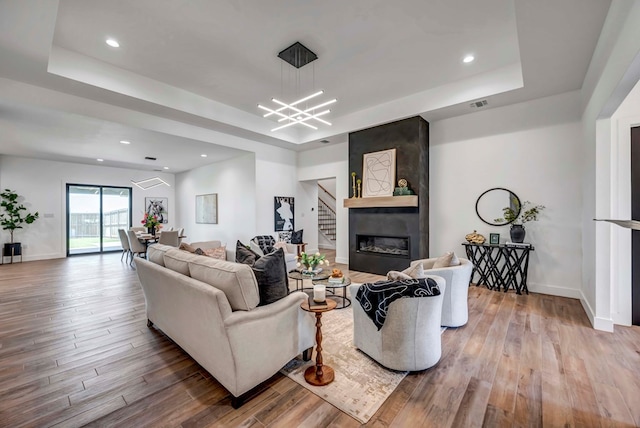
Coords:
319,293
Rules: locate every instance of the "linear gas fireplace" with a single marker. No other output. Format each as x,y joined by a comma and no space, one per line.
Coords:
393,246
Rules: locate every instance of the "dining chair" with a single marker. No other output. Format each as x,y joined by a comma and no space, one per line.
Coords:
170,237
124,241
136,247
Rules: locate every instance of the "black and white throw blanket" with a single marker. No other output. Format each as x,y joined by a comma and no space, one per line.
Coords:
376,297
265,242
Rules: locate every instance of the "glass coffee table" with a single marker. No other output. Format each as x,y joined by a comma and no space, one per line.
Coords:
346,302
300,277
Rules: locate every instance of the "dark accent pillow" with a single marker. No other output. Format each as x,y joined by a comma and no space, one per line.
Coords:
271,273
245,255
199,251
296,237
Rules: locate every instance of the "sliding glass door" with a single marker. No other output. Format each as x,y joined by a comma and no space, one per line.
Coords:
94,215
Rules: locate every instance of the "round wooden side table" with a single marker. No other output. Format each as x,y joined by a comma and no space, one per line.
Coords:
319,375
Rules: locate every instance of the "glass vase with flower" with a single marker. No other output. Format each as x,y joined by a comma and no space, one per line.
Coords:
152,223
309,263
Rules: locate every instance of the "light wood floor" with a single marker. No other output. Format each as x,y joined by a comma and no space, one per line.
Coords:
75,350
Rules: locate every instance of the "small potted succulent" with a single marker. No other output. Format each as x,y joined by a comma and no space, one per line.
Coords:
12,217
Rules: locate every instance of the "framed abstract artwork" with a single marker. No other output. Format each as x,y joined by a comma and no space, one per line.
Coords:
207,208
378,173
283,211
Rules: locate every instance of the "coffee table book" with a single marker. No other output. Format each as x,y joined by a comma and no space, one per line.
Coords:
317,305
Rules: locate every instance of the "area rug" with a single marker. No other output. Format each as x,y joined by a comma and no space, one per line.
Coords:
361,385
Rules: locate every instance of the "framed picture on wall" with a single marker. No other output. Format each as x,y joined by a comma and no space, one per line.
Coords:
378,173
157,206
207,208
283,210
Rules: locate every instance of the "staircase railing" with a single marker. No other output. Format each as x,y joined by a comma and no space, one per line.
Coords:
326,216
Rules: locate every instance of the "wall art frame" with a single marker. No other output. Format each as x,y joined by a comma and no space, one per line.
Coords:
157,206
207,208
283,213
378,173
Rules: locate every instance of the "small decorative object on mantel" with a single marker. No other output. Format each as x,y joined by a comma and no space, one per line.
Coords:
359,187
475,238
353,183
517,231
402,189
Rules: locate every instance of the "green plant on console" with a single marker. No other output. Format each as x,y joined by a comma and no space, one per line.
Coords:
13,215
525,215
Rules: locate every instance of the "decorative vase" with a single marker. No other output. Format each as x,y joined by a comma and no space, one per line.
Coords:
517,233
152,230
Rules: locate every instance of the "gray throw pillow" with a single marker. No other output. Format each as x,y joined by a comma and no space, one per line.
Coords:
271,273
245,255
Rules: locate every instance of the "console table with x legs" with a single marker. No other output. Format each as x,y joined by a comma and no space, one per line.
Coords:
499,266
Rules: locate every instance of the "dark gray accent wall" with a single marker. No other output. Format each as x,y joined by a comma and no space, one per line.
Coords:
410,138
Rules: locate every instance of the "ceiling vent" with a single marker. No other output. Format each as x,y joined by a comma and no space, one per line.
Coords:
478,104
150,158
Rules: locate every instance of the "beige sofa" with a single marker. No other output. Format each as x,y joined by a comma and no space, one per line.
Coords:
210,309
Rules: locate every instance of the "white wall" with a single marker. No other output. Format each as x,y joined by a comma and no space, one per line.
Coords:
234,182
531,148
327,162
43,185
275,175
614,70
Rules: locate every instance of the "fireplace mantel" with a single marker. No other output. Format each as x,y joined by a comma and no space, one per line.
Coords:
382,201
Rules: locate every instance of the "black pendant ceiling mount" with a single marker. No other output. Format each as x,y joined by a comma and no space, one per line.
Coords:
298,55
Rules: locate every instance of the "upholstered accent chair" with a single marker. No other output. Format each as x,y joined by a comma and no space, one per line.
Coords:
410,338
455,308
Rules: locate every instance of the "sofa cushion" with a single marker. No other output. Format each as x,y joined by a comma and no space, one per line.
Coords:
245,255
187,247
235,280
394,275
271,273
219,253
416,271
178,260
444,260
155,253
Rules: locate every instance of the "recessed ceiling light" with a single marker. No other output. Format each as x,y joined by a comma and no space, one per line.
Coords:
100,160
125,142
203,156
467,59
165,167
113,43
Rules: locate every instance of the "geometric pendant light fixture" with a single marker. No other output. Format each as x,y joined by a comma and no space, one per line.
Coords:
302,111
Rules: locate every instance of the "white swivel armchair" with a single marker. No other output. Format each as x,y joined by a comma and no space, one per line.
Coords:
455,308
410,338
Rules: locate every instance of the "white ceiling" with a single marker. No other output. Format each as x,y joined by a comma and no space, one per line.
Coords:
189,75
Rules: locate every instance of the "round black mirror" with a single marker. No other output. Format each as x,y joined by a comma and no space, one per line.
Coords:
491,204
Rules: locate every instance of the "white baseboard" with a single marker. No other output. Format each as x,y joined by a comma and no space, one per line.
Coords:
41,257
342,260
554,290
598,323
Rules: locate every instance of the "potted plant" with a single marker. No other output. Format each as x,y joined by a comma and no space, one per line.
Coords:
13,216
310,262
152,223
528,212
